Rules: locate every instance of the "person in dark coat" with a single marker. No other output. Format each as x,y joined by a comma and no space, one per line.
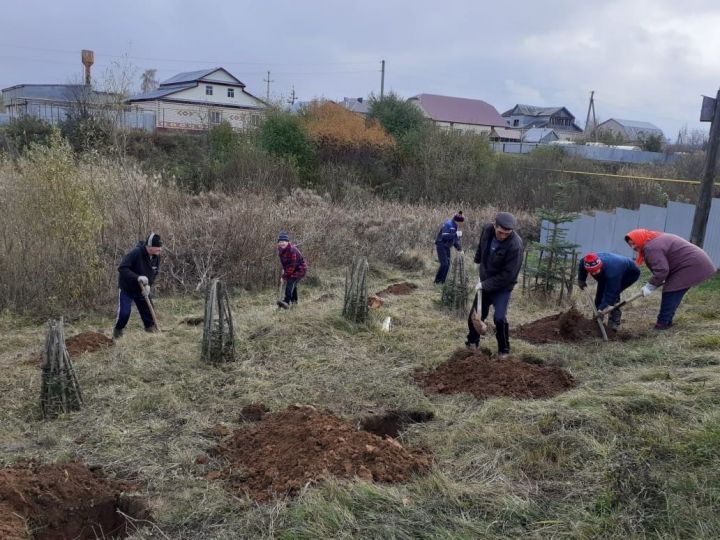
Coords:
499,256
613,273
446,238
136,274
294,269
676,265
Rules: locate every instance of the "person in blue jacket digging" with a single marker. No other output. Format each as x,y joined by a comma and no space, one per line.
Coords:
136,273
446,238
613,273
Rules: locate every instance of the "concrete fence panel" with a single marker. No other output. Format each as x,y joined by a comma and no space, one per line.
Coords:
711,245
625,221
652,217
602,236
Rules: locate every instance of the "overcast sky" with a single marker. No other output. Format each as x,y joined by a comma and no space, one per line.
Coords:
647,60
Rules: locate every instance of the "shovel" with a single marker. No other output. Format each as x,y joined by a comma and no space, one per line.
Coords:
621,304
597,315
152,312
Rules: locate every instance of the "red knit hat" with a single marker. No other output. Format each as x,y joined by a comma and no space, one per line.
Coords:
592,263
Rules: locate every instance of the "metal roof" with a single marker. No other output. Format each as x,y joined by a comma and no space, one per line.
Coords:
635,124
195,76
160,92
538,134
532,110
459,110
507,133
51,92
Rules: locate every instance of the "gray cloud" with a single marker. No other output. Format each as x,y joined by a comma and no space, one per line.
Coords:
645,60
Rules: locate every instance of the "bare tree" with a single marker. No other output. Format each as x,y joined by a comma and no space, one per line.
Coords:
148,81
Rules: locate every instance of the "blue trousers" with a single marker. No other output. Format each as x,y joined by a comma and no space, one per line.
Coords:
291,296
668,306
499,300
443,253
125,302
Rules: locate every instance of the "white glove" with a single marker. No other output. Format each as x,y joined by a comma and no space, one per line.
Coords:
478,287
459,234
145,290
648,289
143,280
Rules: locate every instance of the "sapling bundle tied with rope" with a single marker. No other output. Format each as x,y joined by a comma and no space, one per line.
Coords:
60,391
355,305
455,289
218,344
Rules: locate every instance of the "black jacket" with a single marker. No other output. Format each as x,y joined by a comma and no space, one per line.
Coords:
500,270
137,262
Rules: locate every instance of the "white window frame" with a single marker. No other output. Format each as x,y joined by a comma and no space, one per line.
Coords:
231,93
208,90
215,117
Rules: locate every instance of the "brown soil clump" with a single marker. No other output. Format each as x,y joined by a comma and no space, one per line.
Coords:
568,326
399,289
390,424
288,450
253,412
87,342
193,320
64,501
474,372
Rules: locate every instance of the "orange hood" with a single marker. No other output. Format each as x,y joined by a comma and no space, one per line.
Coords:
640,237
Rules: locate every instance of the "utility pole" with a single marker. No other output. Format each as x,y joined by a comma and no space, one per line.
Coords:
382,79
702,209
268,81
591,107
293,97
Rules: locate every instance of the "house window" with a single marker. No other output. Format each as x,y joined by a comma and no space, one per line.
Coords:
516,122
255,120
231,92
208,91
215,117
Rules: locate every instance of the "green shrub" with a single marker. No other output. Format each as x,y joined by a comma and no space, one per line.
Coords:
25,131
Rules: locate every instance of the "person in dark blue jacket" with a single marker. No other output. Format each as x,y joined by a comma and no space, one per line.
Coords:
445,239
613,273
136,273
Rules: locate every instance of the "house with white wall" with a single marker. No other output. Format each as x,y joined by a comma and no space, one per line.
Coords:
198,100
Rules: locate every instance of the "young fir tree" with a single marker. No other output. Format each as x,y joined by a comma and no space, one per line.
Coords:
355,303
555,258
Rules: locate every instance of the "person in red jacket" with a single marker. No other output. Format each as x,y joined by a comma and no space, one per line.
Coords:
676,265
294,269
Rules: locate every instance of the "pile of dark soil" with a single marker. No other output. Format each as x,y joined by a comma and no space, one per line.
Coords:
399,288
284,451
391,423
474,372
193,320
64,501
568,326
253,412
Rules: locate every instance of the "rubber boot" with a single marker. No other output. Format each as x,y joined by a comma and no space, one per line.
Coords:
503,341
117,333
614,319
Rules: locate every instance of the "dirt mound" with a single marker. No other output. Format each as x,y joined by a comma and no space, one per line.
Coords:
474,372
399,288
87,342
193,320
62,501
390,424
568,326
287,450
84,342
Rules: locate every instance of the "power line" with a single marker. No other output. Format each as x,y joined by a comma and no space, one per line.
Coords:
189,60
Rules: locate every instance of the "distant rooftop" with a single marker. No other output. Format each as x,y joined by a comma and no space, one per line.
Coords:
459,110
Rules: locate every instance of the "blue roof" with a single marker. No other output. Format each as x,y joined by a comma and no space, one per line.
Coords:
54,92
538,134
188,76
160,92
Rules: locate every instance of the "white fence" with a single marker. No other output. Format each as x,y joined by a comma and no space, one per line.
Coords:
606,231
